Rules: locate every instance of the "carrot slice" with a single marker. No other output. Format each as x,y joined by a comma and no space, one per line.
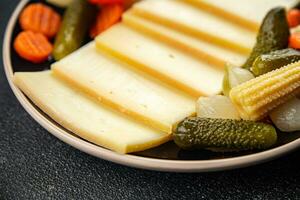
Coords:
107,16
294,41
293,17
40,18
33,47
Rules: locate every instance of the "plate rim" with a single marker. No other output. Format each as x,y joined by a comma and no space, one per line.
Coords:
129,160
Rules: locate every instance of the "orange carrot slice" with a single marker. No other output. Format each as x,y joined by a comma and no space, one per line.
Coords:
33,47
294,41
107,16
293,17
40,18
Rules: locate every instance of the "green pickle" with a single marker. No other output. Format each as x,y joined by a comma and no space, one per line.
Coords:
273,35
76,22
274,60
227,134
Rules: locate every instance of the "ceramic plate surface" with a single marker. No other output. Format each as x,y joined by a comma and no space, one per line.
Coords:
164,158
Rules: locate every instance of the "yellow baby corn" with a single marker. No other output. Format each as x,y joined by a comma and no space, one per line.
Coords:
254,99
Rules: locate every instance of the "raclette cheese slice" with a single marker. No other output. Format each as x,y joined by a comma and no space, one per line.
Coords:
191,20
169,64
210,53
246,13
85,117
130,92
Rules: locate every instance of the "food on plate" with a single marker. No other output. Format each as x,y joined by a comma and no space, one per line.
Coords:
112,83
293,17
234,76
151,69
60,3
129,3
40,18
287,116
224,134
32,46
216,107
201,49
246,13
84,116
256,98
157,59
76,21
108,15
198,23
295,30
274,60
294,40
273,35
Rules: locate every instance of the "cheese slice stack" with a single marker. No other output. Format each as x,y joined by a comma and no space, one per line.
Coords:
203,50
85,117
191,20
167,63
247,13
116,85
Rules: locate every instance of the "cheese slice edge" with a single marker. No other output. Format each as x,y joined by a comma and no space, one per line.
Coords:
85,117
212,54
123,89
223,13
195,22
177,68
246,13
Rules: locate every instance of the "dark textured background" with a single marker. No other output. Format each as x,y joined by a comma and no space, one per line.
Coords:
36,165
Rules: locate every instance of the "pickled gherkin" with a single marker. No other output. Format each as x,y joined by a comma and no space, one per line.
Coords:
274,60
198,133
76,22
273,35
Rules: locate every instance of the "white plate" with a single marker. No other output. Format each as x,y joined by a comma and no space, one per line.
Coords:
129,160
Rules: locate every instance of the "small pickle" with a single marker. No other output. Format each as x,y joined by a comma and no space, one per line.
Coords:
226,134
76,22
273,35
274,60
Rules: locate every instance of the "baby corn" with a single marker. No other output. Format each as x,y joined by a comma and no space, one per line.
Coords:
254,99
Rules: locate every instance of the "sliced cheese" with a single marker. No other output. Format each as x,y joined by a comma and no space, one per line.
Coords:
125,90
247,13
169,64
198,23
210,53
85,117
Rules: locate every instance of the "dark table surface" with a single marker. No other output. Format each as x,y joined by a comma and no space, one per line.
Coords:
36,165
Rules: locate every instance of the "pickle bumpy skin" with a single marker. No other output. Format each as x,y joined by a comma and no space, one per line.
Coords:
198,133
273,35
274,60
77,19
